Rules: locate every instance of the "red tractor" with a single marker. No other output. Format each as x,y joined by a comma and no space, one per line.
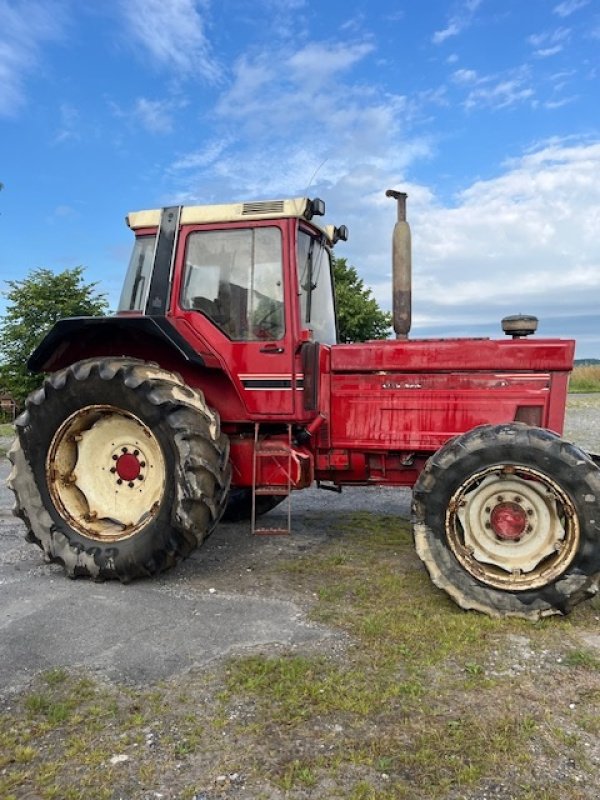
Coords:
219,387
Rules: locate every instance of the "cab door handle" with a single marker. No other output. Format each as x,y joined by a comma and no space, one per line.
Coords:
272,348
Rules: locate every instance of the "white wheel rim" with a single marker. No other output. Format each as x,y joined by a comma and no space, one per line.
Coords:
106,473
533,552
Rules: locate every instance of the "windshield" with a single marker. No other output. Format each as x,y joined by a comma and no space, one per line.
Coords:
316,288
234,277
137,280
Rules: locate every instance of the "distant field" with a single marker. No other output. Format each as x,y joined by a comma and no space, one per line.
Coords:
585,379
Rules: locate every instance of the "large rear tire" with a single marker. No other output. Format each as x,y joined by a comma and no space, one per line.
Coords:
507,521
119,469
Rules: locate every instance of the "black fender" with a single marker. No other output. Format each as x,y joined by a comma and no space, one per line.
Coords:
75,338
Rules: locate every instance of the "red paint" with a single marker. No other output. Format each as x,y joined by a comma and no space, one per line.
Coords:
508,521
128,467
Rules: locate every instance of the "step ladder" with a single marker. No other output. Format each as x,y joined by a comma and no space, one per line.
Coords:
267,454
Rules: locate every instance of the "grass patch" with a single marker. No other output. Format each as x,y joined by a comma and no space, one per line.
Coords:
418,700
411,700
7,432
585,379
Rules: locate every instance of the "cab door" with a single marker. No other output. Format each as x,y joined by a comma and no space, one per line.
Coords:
233,293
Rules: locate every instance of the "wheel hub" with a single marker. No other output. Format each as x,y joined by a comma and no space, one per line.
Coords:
128,467
508,521
106,472
512,527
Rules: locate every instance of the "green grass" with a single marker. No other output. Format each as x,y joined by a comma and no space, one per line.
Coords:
7,431
585,379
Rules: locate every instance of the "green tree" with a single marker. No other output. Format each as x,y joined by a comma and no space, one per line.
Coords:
34,305
359,316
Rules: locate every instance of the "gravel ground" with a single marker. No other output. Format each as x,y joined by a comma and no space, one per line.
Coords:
582,424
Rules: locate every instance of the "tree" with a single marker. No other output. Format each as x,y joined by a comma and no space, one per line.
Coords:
359,316
34,305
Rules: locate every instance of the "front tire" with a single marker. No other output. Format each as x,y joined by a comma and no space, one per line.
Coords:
507,521
119,469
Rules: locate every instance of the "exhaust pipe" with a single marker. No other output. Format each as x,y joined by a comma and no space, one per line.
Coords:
401,268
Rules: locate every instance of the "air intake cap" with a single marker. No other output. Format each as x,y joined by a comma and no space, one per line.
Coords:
519,325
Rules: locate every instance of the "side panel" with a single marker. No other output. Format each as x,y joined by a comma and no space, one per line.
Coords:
404,411
393,403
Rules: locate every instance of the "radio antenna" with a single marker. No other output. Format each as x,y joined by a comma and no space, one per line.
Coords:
314,175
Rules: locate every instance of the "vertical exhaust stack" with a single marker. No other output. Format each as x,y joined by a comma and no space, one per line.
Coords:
401,268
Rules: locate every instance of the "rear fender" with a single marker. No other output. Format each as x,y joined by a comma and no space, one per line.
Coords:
147,338
75,338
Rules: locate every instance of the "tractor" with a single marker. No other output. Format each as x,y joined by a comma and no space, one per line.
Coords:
219,388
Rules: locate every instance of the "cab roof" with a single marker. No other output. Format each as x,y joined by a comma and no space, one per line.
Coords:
298,207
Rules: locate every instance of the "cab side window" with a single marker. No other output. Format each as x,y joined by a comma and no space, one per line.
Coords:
235,278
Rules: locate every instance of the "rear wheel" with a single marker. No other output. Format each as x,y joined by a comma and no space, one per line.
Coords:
507,521
119,469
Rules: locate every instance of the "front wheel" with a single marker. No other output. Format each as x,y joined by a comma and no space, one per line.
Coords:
119,469
507,521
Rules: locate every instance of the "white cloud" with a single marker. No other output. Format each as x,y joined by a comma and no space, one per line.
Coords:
524,241
568,7
549,43
172,34
563,101
70,121
457,22
154,115
500,91
281,118
464,76
26,25
452,29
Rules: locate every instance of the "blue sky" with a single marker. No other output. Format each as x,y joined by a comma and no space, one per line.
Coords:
484,111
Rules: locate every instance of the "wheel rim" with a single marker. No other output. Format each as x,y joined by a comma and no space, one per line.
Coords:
106,473
512,527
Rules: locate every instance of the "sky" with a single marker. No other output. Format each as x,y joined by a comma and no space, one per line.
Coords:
486,112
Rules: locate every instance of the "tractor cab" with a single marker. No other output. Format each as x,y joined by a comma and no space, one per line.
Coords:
232,266
249,285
